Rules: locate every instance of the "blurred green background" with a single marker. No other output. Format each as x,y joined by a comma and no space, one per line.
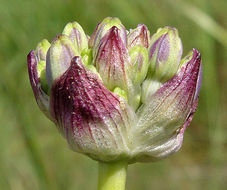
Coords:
34,156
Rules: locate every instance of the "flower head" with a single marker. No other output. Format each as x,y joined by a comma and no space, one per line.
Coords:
117,95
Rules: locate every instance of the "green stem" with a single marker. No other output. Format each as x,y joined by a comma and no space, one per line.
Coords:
112,176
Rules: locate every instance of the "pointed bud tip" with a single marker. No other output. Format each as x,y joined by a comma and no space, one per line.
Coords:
103,28
139,36
76,33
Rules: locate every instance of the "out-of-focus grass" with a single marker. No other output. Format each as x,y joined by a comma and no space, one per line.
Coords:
32,153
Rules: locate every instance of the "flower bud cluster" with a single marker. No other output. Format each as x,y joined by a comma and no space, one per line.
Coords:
118,94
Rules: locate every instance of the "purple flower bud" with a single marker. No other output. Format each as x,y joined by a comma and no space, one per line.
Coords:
112,60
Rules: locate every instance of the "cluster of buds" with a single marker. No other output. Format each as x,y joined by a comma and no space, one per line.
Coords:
118,94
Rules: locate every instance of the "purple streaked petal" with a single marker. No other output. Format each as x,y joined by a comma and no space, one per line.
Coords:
139,36
112,60
41,97
169,111
92,118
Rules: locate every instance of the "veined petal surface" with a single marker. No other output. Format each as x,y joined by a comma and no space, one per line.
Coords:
112,60
93,119
163,119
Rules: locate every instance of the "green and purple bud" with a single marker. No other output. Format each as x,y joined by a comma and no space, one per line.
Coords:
139,36
165,53
61,51
117,96
77,36
112,60
103,27
138,43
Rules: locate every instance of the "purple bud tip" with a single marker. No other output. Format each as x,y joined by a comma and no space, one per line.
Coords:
142,36
139,36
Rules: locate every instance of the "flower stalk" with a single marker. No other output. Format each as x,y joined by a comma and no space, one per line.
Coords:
112,176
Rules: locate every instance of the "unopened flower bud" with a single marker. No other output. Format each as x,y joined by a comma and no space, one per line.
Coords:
77,35
103,28
59,56
112,60
165,53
